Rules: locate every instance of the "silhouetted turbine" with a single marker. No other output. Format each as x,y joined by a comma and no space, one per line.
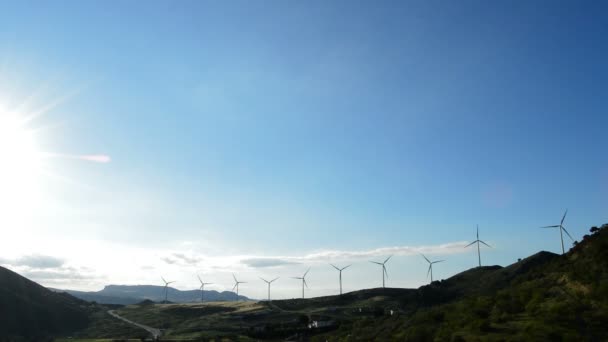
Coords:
383,264
166,288
561,228
202,288
236,286
269,282
430,266
478,242
340,270
303,278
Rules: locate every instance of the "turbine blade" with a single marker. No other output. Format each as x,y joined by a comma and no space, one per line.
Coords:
564,217
308,270
385,271
375,262
556,226
565,231
434,262
275,279
334,266
477,232
234,287
164,281
429,271
263,279
387,259
485,243
233,276
425,258
345,267
199,278
305,283
471,243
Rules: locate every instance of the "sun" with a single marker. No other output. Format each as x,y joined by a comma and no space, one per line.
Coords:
20,161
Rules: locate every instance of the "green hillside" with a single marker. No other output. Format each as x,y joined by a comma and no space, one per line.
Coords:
28,310
543,297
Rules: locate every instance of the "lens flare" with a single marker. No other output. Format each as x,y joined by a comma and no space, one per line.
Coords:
20,161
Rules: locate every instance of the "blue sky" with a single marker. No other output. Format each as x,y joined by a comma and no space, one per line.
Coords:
285,129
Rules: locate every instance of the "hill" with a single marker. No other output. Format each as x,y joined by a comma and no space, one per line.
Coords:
546,297
133,294
30,311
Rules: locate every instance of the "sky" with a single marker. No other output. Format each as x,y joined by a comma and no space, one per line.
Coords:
148,139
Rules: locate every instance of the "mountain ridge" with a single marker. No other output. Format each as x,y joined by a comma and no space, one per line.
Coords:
30,310
133,294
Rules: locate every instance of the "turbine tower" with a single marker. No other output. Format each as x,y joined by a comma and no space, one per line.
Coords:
383,264
478,242
340,270
236,286
269,282
430,266
166,287
202,288
561,228
303,278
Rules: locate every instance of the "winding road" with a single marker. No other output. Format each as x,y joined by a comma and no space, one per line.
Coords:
156,333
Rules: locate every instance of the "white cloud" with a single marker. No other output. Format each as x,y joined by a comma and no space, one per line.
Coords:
181,259
267,262
325,256
35,261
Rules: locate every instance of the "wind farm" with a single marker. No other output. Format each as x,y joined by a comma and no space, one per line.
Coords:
265,319
368,312
266,160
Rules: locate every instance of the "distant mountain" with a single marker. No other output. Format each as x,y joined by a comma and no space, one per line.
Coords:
30,311
133,294
544,297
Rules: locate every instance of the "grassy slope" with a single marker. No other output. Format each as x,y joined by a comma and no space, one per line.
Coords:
543,297
31,311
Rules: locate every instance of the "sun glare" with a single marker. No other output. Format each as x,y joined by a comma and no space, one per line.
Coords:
20,161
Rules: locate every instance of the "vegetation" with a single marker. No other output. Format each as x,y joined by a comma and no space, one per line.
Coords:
29,311
543,297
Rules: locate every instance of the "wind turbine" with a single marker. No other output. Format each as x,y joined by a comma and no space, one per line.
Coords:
430,266
166,287
269,282
236,286
303,278
202,288
340,270
383,264
478,242
561,228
